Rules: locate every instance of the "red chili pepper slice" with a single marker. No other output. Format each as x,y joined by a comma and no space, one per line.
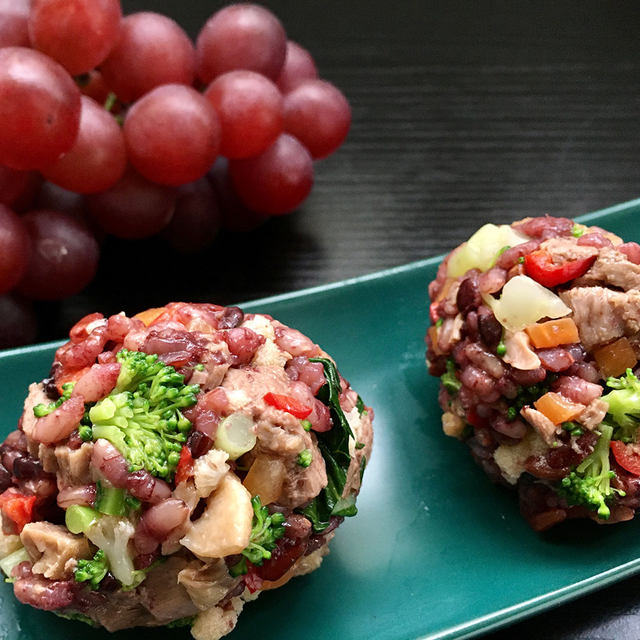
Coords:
184,470
627,456
17,507
288,404
540,266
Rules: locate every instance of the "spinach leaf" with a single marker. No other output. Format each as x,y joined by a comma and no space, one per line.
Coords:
334,446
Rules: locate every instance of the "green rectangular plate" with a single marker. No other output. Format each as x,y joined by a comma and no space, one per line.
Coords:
436,551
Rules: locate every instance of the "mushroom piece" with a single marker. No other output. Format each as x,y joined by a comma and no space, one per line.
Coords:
225,526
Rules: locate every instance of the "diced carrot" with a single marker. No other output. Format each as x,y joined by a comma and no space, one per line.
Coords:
147,317
553,333
615,358
70,375
557,408
432,331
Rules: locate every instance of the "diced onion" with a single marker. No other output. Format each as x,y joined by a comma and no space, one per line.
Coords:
265,478
524,302
482,248
236,435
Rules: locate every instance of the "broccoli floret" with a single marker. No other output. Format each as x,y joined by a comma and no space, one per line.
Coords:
624,405
112,535
142,417
589,484
265,531
92,571
41,410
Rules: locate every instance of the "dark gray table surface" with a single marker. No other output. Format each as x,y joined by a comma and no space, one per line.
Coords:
463,112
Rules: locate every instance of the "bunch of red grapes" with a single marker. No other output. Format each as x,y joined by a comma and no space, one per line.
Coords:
121,125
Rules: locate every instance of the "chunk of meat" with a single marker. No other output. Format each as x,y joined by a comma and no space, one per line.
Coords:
567,249
53,550
541,424
594,414
73,465
612,267
206,583
162,594
362,428
602,314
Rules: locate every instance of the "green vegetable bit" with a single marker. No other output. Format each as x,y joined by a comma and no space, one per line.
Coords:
306,425
41,410
573,428
360,406
624,406
142,417
589,484
305,457
334,446
578,230
85,432
92,571
501,349
449,379
181,622
266,530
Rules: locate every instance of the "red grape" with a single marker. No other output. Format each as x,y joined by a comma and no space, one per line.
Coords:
318,115
14,16
152,50
133,208
196,220
79,34
250,110
14,185
18,324
236,216
39,109
278,180
241,36
298,67
14,249
51,196
98,158
64,256
172,135
92,84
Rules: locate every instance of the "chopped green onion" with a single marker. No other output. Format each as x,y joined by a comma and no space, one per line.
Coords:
306,425
85,432
304,458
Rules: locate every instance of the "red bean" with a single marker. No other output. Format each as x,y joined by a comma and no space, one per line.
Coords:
595,239
555,359
468,296
243,343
